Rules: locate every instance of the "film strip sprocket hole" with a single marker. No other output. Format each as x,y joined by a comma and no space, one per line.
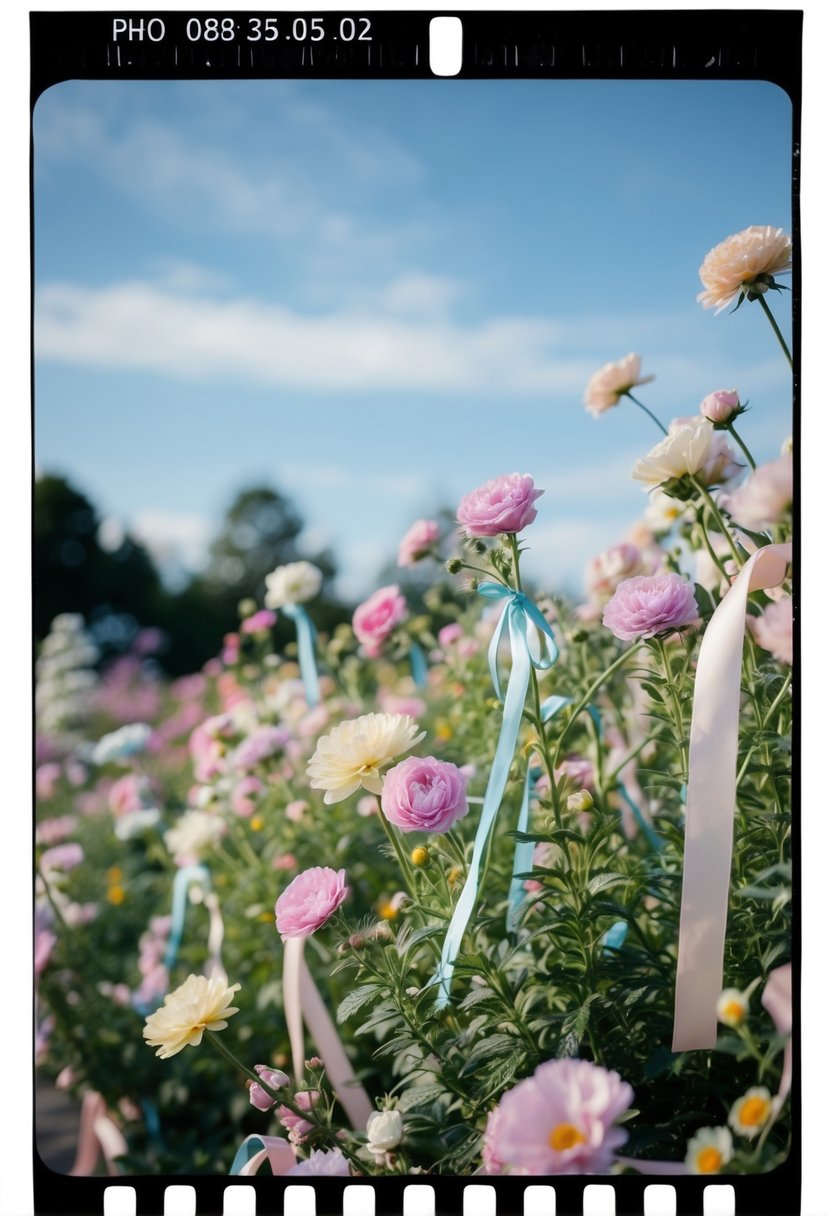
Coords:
474,870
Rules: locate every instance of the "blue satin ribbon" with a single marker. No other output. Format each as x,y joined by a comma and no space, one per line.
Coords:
642,823
246,1151
524,849
417,661
533,646
614,938
184,879
306,636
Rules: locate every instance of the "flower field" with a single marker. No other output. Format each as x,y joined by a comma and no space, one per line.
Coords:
445,890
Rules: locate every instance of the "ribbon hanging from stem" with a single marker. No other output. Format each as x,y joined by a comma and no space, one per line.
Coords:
712,793
306,636
532,645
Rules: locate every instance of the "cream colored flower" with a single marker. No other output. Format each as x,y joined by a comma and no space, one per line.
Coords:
709,1150
733,266
292,584
608,385
193,834
199,1004
684,450
732,1007
662,512
750,1113
384,1130
353,754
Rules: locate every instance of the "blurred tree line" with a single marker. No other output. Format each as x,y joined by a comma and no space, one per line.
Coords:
119,589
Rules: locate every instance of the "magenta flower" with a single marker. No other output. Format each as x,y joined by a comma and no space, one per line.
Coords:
559,1121
424,795
261,744
649,604
502,505
418,541
259,622
276,1079
377,618
307,902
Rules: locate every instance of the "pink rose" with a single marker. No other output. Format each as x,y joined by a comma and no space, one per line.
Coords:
259,622
274,1078
308,902
720,406
418,541
650,604
773,630
424,795
502,505
376,618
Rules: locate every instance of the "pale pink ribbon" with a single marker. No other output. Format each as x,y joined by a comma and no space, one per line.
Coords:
279,1154
777,999
302,1001
97,1134
709,815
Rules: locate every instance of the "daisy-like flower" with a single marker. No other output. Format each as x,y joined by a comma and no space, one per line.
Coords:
684,450
199,1004
744,265
750,1113
610,383
709,1150
353,754
732,1007
292,584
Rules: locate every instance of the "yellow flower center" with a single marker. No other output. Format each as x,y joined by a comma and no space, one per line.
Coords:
370,766
444,731
709,1160
115,895
565,1136
753,1112
114,874
734,1012
257,823
387,910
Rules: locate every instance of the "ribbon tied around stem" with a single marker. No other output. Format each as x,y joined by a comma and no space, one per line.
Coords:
533,646
306,636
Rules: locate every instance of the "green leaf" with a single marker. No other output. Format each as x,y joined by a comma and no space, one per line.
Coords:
602,881
420,1095
356,999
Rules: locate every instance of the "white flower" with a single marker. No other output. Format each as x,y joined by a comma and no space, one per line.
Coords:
733,266
662,512
135,823
385,1131
608,385
353,754
750,1113
193,834
709,1150
121,744
685,449
732,1007
321,1162
199,1004
292,584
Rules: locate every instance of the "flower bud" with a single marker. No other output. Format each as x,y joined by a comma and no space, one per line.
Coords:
420,856
580,802
385,1130
454,565
357,941
315,1062
721,406
274,1079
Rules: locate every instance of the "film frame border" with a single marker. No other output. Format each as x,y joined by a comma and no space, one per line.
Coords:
634,45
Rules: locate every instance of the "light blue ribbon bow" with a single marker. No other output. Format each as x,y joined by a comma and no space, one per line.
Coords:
184,879
533,646
306,636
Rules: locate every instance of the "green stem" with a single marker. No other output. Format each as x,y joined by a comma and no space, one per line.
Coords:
651,415
213,1037
585,700
677,708
776,329
405,864
732,430
715,512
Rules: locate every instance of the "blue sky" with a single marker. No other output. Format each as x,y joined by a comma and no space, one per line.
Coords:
376,295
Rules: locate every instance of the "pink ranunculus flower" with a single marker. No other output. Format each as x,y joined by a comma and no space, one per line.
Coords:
450,634
774,628
377,618
244,794
262,743
606,570
418,541
560,1120
259,622
395,703
328,1163
608,385
721,405
766,495
650,604
307,902
273,1077
505,504
296,1126
422,794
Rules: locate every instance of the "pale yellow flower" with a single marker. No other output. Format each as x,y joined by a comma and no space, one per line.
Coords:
608,385
750,1113
353,754
199,1004
734,264
292,584
684,450
732,1007
709,1150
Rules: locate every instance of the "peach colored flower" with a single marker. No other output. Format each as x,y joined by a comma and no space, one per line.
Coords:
733,266
608,385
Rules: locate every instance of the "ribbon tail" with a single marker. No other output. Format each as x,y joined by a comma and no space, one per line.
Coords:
181,885
215,937
417,662
499,775
292,965
709,819
306,642
255,1150
522,860
642,823
353,1098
